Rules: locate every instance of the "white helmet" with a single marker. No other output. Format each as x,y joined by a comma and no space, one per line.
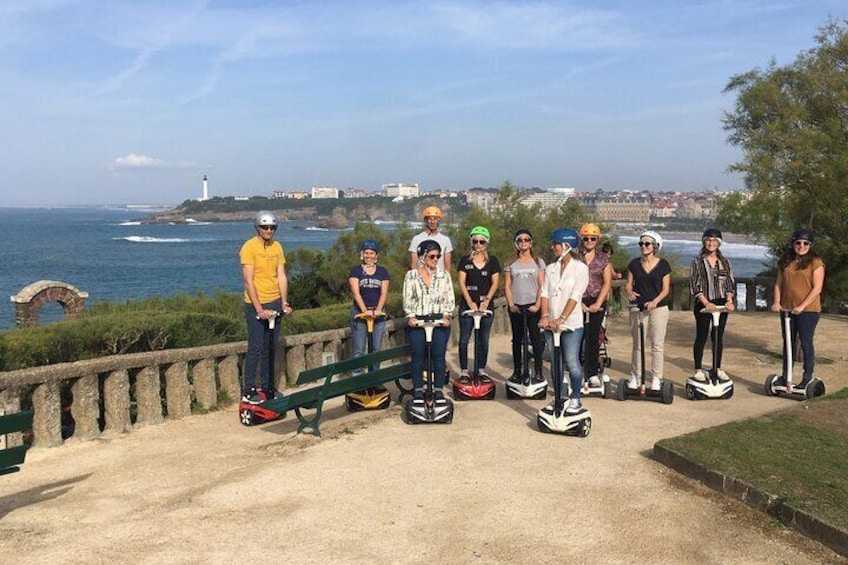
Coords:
264,218
658,243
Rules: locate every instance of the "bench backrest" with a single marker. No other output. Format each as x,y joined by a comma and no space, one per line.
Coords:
321,373
12,457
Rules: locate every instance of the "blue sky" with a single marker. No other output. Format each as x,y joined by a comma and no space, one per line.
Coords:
116,102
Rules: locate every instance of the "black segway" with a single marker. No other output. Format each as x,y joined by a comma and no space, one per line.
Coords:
429,410
526,386
475,386
713,387
603,386
372,398
782,384
553,418
252,414
666,392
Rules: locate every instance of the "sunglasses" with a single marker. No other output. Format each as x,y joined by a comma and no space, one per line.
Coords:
645,243
802,243
434,256
271,228
590,239
479,241
523,240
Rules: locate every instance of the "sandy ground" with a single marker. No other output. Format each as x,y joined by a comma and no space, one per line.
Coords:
487,489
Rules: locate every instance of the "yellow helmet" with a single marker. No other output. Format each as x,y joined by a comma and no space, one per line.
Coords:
431,211
590,229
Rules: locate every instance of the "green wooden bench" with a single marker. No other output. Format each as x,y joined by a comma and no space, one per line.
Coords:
11,458
313,398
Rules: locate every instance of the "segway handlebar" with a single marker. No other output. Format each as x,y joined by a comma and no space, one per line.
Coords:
272,321
478,313
719,309
370,319
637,307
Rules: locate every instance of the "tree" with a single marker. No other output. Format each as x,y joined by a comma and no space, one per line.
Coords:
792,124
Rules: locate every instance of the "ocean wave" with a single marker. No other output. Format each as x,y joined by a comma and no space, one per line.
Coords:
148,239
130,224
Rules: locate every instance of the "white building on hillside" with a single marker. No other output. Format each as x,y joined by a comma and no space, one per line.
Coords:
393,190
324,192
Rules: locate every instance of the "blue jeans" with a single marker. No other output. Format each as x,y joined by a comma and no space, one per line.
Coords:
261,344
418,353
569,349
803,327
466,328
359,335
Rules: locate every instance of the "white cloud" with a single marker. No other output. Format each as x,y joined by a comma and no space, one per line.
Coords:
136,161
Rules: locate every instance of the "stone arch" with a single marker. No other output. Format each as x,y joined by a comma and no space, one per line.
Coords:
30,299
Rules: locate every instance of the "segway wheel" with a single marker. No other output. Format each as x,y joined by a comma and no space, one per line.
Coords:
509,393
607,362
607,389
491,394
621,392
351,407
667,392
814,388
690,392
542,394
585,427
771,380
247,417
541,425
729,393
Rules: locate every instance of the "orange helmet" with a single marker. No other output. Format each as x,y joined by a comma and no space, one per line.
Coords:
431,211
590,229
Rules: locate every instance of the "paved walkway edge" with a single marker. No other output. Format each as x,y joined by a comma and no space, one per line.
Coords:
806,524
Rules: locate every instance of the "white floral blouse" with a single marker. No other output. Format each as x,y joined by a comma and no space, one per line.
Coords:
420,300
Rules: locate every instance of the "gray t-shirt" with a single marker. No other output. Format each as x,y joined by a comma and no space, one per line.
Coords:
525,281
441,238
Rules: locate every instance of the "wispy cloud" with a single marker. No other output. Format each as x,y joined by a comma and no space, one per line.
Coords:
139,162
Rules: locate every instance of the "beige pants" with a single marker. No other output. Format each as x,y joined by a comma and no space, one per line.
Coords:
655,323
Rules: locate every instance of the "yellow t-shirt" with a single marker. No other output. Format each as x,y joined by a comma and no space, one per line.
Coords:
265,260
796,284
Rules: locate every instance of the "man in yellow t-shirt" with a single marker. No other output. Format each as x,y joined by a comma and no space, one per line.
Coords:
265,297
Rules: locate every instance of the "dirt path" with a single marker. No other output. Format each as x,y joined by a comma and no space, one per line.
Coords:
487,489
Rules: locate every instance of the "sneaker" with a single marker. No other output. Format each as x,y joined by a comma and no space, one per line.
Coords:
804,382
538,376
418,395
722,376
438,394
574,406
464,374
701,376
483,374
252,399
515,378
656,383
594,381
633,383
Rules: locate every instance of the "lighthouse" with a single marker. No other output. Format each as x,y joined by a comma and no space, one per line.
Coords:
205,189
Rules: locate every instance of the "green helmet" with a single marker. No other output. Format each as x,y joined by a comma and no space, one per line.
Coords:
480,231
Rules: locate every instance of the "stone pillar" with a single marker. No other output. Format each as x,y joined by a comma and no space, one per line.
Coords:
47,423
228,377
177,390
314,355
116,401
295,363
86,407
148,396
205,389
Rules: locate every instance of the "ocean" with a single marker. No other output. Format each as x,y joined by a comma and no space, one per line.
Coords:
105,253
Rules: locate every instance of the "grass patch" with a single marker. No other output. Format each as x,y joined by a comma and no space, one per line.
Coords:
796,454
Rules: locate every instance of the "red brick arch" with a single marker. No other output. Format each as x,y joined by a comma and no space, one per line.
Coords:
31,299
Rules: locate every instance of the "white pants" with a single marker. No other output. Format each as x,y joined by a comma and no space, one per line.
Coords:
655,323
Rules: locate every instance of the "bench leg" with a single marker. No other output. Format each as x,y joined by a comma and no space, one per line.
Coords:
311,423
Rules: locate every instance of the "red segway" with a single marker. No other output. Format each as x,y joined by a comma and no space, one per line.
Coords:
477,385
251,414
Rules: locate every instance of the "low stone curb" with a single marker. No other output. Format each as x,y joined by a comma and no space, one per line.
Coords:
832,536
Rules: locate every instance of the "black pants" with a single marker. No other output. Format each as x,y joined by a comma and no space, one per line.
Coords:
516,321
592,341
702,332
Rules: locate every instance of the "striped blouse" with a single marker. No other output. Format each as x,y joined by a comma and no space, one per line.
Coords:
420,300
713,282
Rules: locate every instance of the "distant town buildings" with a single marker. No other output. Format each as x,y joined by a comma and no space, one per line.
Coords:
394,190
621,206
324,192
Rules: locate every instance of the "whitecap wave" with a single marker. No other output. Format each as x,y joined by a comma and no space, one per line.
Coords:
196,223
130,224
148,239
316,228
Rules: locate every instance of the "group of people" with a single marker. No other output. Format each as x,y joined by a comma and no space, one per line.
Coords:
568,296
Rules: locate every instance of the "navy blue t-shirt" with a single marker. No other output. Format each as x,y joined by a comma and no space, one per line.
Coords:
370,286
649,285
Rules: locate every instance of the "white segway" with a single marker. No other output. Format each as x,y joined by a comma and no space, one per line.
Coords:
666,392
782,384
553,418
603,385
429,410
526,386
713,387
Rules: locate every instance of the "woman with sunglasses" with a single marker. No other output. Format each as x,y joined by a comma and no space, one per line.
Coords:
479,274
648,287
711,284
523,282
266,292
428,294
797,294
595,297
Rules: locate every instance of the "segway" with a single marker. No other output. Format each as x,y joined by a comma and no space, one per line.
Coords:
603,387
712,387
429,410
372,398
553,418
253,414
666,392
475,386
782,384
526,386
